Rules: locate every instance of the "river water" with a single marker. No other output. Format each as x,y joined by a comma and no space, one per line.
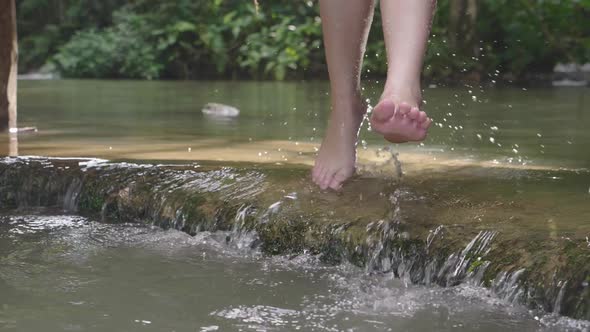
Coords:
61,272
65,273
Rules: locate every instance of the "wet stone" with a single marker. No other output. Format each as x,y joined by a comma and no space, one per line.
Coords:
434,230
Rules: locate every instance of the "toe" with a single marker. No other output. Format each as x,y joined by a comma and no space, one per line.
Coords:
320,176
404,109
324,179
414,113
335,184
422,116
315,173
383,111
338,180
426,124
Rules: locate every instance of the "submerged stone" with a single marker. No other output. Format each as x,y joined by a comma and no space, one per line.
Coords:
220,110
438,230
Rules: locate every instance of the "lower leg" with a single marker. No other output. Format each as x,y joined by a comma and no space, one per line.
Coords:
345,27
406,26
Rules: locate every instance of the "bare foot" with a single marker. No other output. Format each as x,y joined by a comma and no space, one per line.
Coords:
337,156
400,122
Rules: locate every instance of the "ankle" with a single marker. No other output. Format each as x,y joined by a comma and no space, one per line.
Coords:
409,91
349,106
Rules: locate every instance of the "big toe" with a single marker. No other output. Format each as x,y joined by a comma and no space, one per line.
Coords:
316,172
383,111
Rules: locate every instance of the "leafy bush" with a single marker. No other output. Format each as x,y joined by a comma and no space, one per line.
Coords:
119,51
282,39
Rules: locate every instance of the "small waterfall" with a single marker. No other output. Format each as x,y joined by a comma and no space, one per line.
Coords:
559,298
70,201
241,237
478,247
506,286
433,234
467,263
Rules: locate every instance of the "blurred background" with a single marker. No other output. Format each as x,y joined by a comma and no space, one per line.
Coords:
473,40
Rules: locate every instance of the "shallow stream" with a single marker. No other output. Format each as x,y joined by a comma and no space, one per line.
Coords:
493,146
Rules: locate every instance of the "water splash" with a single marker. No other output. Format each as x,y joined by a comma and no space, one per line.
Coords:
507,287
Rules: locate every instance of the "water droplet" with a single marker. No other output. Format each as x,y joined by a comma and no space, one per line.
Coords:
493,140
190,149
539,135
494,128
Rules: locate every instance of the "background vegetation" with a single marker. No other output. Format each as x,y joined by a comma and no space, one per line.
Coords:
187,39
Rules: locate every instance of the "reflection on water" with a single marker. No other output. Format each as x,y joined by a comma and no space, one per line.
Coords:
13,145
284,122
67,273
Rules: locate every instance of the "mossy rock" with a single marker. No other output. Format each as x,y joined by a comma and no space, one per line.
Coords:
424,235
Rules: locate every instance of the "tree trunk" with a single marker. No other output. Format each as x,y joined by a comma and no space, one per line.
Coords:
8,64
462,28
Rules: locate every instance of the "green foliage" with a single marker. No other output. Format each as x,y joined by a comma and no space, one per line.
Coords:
122,50
282,39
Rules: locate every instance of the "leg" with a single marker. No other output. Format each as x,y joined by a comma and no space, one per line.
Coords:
406,26
345,26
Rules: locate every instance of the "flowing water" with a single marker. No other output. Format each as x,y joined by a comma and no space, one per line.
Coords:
61,272
66,273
